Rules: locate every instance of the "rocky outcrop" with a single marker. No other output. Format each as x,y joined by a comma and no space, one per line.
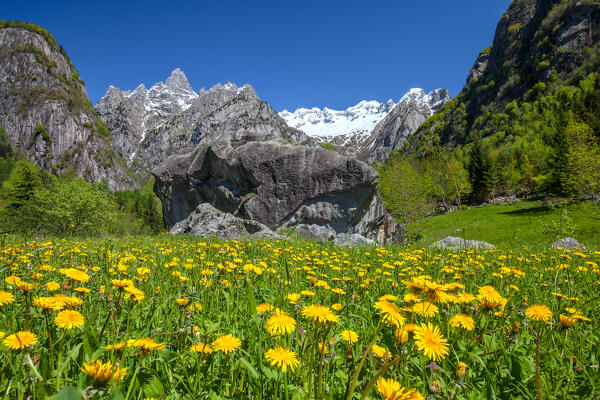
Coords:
45,110
568,243
480,65
207,221
272,182
456,243
404,119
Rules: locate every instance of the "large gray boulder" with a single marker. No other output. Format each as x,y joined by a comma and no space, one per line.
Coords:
207,221
568,243
455,243
272,182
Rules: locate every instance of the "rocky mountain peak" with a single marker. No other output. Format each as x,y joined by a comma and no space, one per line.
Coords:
401,122
178,81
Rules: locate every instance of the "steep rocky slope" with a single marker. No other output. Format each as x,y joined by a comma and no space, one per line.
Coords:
45,110
539,46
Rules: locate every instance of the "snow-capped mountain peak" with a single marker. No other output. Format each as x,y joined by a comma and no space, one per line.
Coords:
359,119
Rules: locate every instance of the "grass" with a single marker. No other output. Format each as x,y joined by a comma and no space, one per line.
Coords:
520,223
159,299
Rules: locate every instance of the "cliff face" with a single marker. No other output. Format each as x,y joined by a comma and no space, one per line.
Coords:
46,112
538,44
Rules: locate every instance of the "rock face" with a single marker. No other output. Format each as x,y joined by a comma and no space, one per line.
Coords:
207,221
455,243
39,87
404,119
272,182
129,115
568,243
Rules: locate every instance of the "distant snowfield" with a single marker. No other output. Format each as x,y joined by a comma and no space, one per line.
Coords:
358,120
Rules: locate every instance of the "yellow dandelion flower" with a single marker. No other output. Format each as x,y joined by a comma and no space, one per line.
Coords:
381,352
349,336
280,323
566,321
320,313
6,297
48,303
75,274
430,341
145,344
390,313
425,309
263,308
226,344
337,306
68,319
52,286
121,283
539,312
283,358
104,373
293,297
390,389
116,346
134,293
20,340
461,369
182,302
462,321
201,348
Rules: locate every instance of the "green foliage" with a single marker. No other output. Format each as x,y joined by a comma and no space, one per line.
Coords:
480,171
327,146
412,187
560,226
578,161
19,188
71,207
34,202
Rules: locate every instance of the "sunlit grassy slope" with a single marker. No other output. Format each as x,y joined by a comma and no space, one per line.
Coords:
522,222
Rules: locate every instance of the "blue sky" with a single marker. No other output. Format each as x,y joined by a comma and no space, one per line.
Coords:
294,53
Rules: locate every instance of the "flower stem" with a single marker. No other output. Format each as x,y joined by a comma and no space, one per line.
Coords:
538,385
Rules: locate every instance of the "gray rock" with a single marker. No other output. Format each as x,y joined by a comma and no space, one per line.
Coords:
272,182
281,185
455,243
352,240
377,224
394,130
39,85
207,221
568,243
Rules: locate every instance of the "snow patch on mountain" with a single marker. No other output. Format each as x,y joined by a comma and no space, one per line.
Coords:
326,124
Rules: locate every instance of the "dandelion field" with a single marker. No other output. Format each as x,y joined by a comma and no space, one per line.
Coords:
180,318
